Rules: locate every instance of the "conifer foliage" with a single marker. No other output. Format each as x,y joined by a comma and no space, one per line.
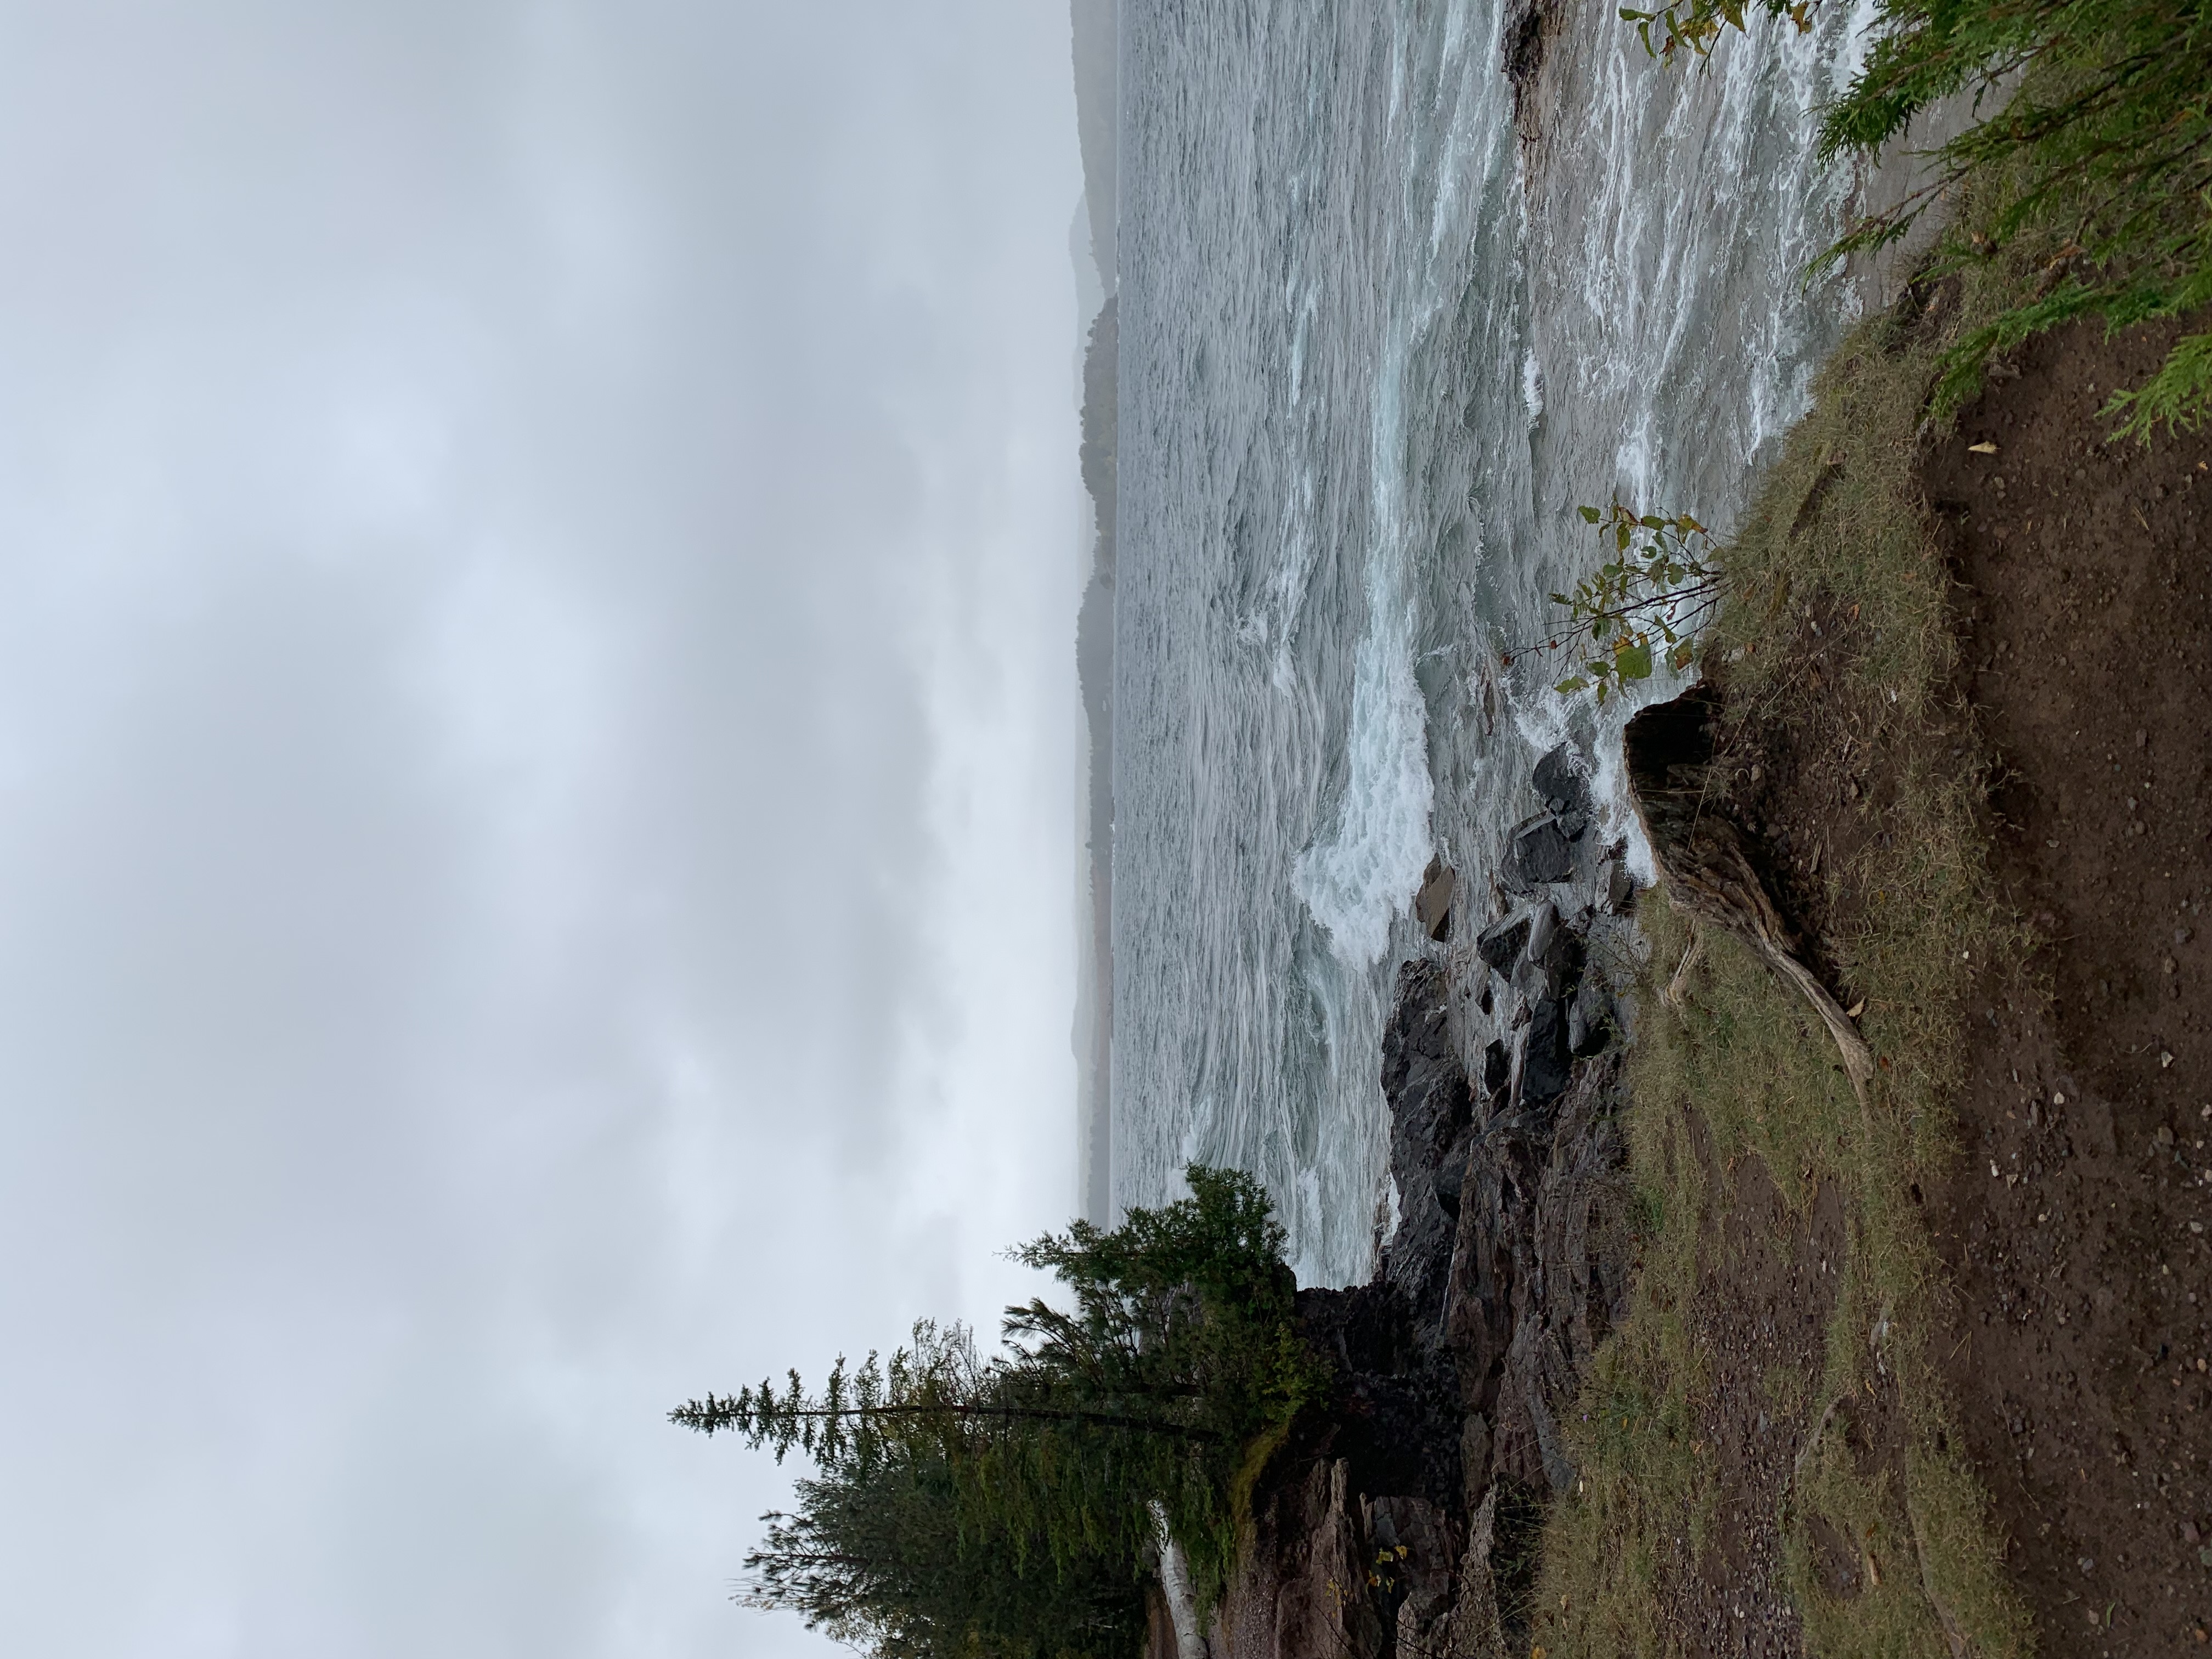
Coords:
2092,135
1010,1507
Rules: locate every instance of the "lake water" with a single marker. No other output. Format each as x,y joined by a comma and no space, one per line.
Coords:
1374,349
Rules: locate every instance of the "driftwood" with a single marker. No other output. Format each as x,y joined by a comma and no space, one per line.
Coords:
1668,749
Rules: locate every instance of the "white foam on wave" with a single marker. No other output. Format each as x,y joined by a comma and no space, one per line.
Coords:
1364,874
1532,387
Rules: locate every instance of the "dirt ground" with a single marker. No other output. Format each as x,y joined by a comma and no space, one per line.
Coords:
2076,1224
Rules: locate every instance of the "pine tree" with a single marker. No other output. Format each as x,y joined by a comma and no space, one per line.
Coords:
1010,1506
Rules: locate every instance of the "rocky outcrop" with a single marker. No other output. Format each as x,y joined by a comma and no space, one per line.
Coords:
1400,1518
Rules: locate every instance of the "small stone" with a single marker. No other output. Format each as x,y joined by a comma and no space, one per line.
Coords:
2188,1532
1620,888
2168,966
1432,905
2087,1563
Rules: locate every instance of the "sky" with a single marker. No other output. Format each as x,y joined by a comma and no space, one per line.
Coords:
538,553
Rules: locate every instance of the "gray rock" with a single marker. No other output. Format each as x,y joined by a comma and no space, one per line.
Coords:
1539,852
1554,955
1432,905
1546,1066
1589,1017
1431,1108
1620,888
1496,1067
1543,925
1558,779
1498,943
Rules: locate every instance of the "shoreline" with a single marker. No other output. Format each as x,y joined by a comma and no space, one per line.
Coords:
1739,1332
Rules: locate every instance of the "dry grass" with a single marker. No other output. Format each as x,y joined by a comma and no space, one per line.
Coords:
1839,524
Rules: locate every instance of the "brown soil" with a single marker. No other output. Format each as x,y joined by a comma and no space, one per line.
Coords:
2075,1223
2078,1223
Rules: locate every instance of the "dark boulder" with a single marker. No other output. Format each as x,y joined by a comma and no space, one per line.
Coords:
1554,957
1448,1403
1433,1109
1500,943
1496,1067
1560,781
1589,1017
1546,1067
1539,852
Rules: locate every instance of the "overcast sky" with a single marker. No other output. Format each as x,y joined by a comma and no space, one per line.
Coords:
538,556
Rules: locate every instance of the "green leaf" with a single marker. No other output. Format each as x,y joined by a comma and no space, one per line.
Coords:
1567,687
1590,514
1633,661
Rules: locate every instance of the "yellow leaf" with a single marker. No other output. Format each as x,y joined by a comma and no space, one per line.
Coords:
1981,449
1855,1009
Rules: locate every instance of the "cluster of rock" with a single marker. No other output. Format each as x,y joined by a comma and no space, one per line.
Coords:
1401,1518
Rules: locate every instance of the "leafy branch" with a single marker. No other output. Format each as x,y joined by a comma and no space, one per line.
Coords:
1696,24
1644,606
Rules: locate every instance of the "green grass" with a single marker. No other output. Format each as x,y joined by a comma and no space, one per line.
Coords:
1838,523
